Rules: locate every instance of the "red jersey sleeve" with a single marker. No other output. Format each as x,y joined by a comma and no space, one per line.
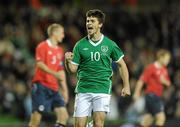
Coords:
146,74
40,52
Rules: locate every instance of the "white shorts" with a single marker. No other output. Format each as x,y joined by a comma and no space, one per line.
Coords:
86,103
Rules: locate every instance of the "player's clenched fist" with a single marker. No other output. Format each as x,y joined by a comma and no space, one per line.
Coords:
126,91
68,56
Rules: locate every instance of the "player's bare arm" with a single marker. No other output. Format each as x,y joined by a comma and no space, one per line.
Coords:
45,68
63,86
138,89
164,81
125,77
72,68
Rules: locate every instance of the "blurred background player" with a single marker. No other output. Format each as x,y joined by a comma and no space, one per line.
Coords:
48,74
92,58
155,76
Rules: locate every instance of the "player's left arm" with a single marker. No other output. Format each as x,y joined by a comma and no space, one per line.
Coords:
165,81
125,77
63,85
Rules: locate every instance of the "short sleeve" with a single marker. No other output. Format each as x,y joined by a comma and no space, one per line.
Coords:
40,53
76,57
117,53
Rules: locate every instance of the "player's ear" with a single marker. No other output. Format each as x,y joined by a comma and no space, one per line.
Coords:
55,33
52,33
100,25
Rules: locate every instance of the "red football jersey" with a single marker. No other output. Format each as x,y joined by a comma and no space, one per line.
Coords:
151,77
53,57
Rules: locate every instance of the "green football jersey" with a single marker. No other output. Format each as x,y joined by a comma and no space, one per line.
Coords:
94,64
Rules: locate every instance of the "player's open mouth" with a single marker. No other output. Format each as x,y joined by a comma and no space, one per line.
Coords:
90,28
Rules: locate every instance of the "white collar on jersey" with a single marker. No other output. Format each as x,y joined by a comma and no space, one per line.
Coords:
50,44
157,64
97,43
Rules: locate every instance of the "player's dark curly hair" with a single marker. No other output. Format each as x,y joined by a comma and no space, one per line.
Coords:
96,13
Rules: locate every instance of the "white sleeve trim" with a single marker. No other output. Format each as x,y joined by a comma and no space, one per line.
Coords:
74,63
119,58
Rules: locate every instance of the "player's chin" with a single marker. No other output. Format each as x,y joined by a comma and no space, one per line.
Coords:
60,41
90,33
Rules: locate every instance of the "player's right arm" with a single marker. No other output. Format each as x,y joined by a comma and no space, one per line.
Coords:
142,80
164,81
125,77
138,89
70,67
45,68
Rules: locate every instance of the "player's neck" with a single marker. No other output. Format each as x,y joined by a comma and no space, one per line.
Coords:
96,37
158,64
53,42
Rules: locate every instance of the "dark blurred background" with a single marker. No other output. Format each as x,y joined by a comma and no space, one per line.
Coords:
140,28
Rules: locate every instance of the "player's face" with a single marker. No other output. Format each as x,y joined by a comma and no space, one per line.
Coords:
92,25
166,59
59,34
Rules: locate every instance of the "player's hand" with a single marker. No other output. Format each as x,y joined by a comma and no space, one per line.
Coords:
164,81
65,96
136,96
68,56
125,92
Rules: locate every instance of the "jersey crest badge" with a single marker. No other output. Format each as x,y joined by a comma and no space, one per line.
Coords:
104,48
49,52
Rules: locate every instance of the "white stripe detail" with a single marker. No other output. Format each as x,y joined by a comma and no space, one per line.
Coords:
77,85
109,91
49,42
119,58
97,43
74,63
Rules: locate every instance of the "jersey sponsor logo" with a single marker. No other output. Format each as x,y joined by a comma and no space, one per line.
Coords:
85,48
104,48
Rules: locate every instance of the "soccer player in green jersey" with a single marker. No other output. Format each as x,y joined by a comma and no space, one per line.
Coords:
92,58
